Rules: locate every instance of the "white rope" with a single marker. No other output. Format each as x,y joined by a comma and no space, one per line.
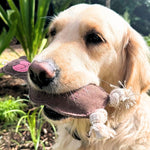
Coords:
98,127
98,119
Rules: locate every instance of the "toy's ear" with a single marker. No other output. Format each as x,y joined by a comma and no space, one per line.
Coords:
17,68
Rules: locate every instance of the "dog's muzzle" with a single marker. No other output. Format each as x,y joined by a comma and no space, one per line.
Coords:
43,73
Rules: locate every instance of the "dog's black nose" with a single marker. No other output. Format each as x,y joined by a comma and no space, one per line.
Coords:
42,73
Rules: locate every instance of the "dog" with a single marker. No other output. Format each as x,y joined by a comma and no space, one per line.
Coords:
91,44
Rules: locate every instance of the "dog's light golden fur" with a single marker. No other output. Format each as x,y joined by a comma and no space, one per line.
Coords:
122,56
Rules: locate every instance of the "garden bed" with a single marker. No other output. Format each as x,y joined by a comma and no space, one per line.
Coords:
9,139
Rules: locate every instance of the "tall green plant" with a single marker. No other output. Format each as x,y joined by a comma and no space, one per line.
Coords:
26,25
34,122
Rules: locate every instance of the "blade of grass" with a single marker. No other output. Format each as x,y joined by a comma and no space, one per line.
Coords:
21,100
39,26
3,16
16,110
40,123
19,122
43,44
54,128
6,37
31,118
20,33
13,6
39,133
27,8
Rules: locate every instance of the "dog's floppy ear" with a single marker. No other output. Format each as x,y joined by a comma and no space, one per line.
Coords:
136,64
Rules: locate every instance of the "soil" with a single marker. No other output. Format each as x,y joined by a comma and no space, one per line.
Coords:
13,86
9,139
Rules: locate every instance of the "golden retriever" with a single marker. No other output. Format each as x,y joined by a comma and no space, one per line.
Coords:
93,44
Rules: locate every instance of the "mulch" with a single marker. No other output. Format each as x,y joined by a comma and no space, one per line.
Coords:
13,86
10,140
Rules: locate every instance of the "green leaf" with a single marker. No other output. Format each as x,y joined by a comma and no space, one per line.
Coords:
65,5
6,37
27,9
20,34
13,6
43,44
15,110
3,16
43,7
12,16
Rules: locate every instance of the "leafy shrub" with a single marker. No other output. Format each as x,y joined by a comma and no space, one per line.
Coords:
11,109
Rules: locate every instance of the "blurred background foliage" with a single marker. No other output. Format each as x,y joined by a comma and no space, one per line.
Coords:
136,12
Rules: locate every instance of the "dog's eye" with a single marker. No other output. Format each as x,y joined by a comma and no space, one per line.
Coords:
93,38
53,32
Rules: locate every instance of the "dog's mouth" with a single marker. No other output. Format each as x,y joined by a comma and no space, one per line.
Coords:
52,114
78,103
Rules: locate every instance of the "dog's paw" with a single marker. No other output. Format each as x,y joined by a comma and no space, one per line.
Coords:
98,128
122,96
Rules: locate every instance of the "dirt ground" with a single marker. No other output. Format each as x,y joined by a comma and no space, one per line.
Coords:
9,140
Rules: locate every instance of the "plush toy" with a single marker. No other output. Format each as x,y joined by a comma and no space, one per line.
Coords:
88,102
17,68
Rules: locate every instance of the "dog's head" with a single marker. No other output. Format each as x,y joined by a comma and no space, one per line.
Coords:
90,44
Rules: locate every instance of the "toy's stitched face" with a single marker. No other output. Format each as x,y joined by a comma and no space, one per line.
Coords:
82,50
22,66
18,68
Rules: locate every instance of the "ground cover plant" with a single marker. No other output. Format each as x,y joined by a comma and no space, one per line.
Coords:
11,109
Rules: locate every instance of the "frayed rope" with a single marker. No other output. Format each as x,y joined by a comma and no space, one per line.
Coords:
98,127
99,117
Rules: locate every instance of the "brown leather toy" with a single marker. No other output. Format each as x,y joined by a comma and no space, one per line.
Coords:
78,103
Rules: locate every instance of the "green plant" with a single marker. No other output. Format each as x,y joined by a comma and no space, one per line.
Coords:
147,39
61,5
26,25
34,122
11,109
